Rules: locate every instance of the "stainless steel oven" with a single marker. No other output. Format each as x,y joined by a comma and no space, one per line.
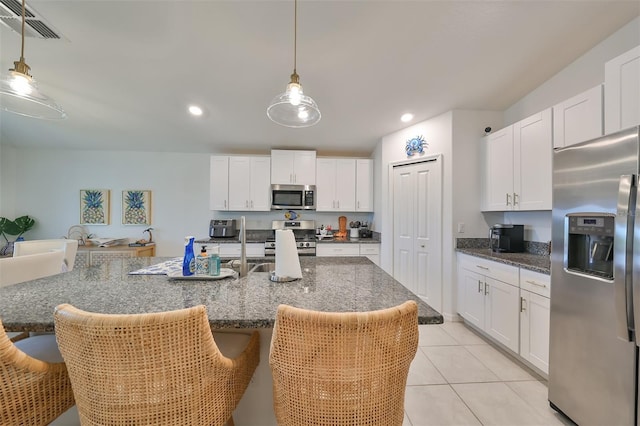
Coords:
303,231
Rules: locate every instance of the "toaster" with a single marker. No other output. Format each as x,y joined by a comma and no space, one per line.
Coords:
222,228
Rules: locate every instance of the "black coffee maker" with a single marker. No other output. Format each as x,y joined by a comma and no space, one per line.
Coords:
506,238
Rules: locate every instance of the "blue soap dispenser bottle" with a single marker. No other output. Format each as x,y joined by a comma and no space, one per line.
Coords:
189,260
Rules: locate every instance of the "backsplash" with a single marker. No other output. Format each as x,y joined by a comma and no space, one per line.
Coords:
533,247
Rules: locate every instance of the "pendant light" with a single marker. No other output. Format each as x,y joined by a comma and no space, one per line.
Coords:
19,92
293,108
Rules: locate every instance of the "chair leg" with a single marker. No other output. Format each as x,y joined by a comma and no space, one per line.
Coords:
22,335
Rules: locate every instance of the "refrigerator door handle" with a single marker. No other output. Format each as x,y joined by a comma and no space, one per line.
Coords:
622,246
635,272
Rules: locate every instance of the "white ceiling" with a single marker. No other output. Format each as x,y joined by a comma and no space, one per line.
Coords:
126,71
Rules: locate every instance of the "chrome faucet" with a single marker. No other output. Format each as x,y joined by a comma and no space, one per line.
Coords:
243,247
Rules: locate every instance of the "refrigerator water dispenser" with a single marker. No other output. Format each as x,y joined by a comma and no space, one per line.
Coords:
590,244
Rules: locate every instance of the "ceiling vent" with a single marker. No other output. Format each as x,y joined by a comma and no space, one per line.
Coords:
11,16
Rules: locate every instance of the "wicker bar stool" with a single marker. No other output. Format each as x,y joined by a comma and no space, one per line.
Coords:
34,384
156,368
333,368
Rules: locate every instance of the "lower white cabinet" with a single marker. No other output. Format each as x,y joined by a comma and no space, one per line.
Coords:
490,296
510,305
233,250
337,249
535,308
371,251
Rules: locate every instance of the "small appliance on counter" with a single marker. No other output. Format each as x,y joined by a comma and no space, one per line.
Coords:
222,228
364,231
506,238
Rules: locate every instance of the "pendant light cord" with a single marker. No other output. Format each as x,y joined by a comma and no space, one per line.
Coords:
23,19
295,34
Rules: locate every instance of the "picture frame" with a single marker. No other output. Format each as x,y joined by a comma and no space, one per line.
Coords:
136,207
95,206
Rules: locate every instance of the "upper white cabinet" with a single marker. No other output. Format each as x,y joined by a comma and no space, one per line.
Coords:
291,167
578,119
336,184
364,185
219,182
622,91
518,165
533,155
240,183
249,183
498,182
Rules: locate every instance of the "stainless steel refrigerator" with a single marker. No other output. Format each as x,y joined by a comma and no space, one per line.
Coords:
595,281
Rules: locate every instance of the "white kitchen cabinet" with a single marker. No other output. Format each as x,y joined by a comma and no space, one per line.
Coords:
337,249
622,91
219,182
533,155
490,298
364,185
336,184
518,166
254,250
535,309
498,162
249,183
371,251
293,167
579,118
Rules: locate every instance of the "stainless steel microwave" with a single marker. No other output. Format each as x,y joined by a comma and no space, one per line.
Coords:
293,197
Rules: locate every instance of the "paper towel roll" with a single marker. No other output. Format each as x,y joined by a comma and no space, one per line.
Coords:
287,261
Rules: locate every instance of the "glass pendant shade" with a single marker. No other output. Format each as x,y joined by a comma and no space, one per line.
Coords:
293,108
19,94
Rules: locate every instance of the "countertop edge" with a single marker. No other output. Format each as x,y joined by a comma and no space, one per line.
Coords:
531,262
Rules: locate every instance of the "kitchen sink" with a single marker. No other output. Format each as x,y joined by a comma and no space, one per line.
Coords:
263,267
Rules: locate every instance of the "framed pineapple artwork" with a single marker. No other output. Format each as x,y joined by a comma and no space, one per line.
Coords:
94,206
136,207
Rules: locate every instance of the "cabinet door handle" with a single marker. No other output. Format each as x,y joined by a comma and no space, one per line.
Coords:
523,306
536,284
251,203
508,199
479,286
295,178
291,177
515,198
486,289
338,203
225,204
482,267
358,204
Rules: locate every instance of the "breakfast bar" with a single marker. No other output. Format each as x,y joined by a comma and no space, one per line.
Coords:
328,284
242,304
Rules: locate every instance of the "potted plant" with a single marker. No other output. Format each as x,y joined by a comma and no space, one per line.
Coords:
15,227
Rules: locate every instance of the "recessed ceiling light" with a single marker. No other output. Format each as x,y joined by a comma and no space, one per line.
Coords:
406,117
195,110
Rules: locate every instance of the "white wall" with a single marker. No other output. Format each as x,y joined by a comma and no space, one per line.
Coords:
584,73
47,185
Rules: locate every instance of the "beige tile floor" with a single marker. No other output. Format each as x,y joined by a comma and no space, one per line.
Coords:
458,378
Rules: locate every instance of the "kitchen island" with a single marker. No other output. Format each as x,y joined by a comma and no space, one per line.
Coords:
328,284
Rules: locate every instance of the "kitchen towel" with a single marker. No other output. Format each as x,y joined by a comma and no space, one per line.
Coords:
287,261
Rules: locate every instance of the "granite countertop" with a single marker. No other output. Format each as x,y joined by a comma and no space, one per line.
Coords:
532,262
347,284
